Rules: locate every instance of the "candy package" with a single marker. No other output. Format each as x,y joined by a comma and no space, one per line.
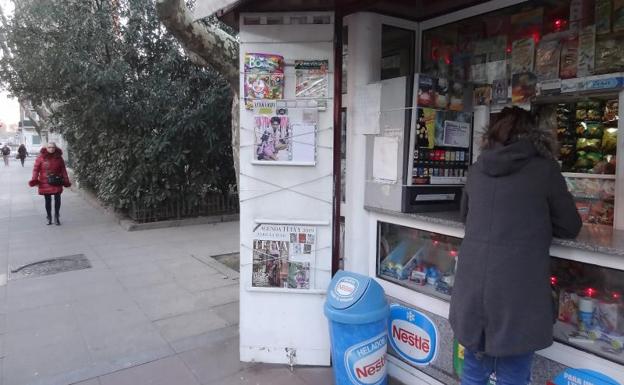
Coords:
609,141
547,60
568,307
609,54
586,160
610,111
601,213
591,130
425,91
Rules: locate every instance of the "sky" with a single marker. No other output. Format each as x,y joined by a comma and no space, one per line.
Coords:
9,108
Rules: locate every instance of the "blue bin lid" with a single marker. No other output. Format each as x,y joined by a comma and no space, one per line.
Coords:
355,299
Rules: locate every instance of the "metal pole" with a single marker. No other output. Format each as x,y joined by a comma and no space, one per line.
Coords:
338,26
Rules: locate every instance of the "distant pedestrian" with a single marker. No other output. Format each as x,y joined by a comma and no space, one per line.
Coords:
6,151
50,175
22,153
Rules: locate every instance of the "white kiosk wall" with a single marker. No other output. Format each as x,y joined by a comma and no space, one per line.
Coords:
285,324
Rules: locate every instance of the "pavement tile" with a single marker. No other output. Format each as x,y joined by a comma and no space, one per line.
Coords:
93,381
167,371
32,364
206,339
229,312
190,324
262,375
213,363
315,375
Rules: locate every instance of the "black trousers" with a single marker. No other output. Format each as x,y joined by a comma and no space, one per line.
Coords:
48,204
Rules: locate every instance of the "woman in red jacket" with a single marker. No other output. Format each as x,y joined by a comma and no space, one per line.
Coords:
50,175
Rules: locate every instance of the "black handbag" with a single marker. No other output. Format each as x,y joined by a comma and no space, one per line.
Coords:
53,180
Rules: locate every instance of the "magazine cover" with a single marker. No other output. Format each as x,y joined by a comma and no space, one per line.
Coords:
264,76
547,60
569,58
312,80
618,15
456,100
299,275
587,51
457,132
603,16
425,128
425,91
500,91
483,95
270,263
273,140
283,255
523,88
441,93
522,56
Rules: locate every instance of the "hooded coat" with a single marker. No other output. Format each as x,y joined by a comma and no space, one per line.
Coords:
514,202
46,164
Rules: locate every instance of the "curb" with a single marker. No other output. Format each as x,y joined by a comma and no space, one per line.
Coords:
130,225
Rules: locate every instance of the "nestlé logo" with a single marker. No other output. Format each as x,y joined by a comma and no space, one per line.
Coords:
366,362
412,335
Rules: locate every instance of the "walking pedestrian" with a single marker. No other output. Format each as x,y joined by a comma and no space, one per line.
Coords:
22,153
6,151
515,201
50,175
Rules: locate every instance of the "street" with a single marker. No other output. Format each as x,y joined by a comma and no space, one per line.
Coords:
153,308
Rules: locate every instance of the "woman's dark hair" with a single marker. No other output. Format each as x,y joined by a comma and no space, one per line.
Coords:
515,123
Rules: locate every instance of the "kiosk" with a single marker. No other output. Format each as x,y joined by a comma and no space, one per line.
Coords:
562,56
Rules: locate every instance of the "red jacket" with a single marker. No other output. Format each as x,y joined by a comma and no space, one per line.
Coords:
49,163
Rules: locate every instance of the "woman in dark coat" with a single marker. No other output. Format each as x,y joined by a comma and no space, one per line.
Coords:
514,202
22,153
50,163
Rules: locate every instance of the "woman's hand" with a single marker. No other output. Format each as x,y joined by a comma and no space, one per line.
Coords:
67,184
33,183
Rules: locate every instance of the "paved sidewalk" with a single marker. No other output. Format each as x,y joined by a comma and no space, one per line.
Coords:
155,308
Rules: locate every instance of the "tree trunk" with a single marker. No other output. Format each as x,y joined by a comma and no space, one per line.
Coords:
236,136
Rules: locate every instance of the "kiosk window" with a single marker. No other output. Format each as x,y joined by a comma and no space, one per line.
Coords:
397,52
590,310
417,259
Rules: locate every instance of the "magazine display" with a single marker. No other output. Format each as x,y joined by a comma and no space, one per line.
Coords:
283,255
264,77
312,80
283,135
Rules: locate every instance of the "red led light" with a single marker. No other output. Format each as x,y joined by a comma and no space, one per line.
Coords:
536,37
559,24
435,243
616,295
590,292
453,253
553,280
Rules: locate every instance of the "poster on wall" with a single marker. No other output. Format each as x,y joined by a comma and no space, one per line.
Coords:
279,140
283,255
264,77
312,81
456,134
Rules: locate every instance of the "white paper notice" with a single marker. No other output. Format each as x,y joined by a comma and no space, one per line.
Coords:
367,107
456,134
303,142
386,159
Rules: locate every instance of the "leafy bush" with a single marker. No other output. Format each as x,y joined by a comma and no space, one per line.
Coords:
144,123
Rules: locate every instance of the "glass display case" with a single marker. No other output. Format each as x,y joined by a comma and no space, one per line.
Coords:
417,259
590,309
587,299
587,131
